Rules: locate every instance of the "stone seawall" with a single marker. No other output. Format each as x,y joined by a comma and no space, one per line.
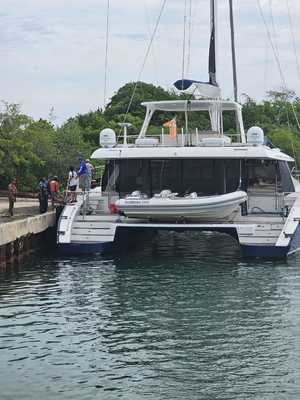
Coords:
20,237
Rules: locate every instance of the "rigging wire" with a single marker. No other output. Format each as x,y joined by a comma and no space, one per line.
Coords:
272,43
155,64
106,53
266,67
293,36
277,59
275,34
146,57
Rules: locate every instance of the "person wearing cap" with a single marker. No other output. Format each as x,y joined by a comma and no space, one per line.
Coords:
12,196
53,189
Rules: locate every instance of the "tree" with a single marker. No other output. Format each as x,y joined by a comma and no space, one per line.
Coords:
144,92
90,125
31,149
17,155
69,145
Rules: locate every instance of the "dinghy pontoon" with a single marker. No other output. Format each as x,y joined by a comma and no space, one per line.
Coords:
168,206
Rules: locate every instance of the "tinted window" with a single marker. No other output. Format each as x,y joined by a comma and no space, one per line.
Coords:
134,175
166,174
206,177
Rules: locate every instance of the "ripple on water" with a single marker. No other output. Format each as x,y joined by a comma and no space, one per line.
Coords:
181,317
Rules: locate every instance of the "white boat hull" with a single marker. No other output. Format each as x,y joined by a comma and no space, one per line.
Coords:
217,207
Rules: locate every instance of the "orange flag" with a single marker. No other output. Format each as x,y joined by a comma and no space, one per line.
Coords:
172,127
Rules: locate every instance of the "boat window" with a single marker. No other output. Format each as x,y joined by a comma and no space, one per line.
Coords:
166,174
233,175
134,175
198,176
230,126
206,177
263,175
110,178
286,179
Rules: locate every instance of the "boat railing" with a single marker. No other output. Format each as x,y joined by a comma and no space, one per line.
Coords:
195,137
99,203
266,201
79,196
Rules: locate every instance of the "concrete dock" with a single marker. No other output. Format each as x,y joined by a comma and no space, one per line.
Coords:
19,234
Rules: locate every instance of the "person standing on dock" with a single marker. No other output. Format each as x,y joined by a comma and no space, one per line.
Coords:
43,195
12,195
53,188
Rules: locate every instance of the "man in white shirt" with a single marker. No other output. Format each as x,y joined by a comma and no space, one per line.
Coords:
72,183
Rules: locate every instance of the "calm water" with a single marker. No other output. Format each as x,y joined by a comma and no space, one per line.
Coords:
186,318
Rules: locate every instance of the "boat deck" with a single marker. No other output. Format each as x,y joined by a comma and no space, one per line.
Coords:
249,230
240,220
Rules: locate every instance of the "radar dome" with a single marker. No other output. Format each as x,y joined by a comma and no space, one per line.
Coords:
107,138
255,135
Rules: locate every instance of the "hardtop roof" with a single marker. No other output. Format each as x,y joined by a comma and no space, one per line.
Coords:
190,105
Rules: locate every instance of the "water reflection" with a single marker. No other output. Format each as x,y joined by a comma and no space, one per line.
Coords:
183,317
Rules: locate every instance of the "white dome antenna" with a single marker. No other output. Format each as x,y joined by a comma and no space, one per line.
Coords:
255,136
107,138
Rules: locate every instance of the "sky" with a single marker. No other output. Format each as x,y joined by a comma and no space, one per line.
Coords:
53,51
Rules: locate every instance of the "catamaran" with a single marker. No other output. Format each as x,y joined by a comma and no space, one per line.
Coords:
201,178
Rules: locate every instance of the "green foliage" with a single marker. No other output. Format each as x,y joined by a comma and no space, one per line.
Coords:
90,125
70,144
17,154
31,149
144,92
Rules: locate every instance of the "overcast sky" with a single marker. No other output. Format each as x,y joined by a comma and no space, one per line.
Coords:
52,51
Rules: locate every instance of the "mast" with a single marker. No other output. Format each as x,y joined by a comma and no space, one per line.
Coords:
211,88
212,48
235,84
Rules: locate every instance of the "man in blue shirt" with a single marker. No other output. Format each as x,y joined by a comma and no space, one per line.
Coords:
82,171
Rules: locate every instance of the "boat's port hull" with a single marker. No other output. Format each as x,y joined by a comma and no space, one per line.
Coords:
75,249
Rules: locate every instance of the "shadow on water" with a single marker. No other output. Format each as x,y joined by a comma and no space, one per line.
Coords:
181,316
